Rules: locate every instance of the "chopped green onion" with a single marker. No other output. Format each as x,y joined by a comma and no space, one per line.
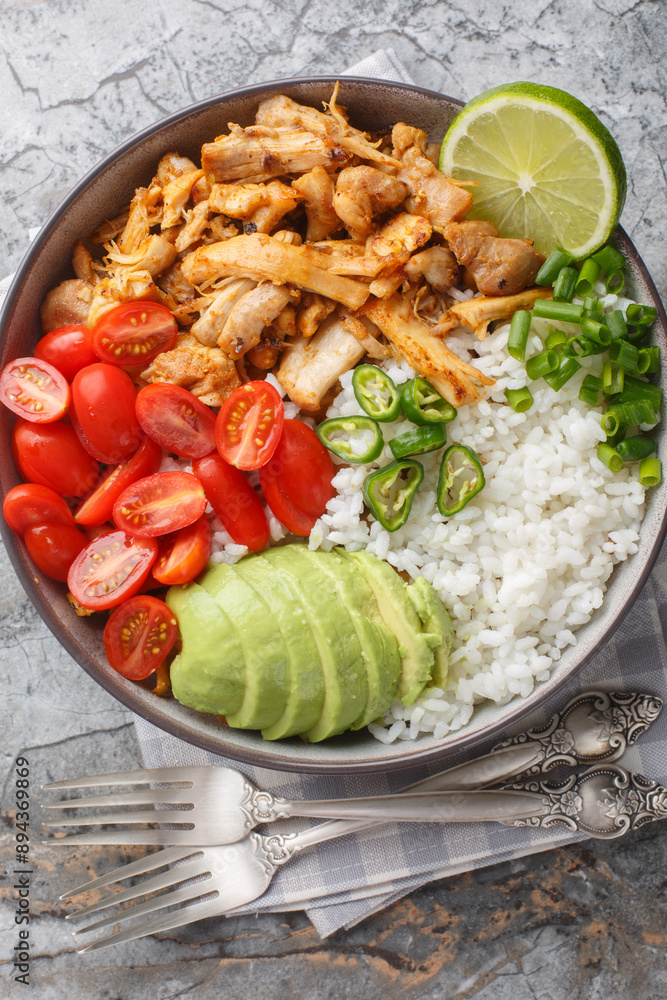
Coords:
555,339
518,335
564,312
612,379
588,275
638,389
555,262
590,390
629,414
615,283
633,449
638,335
625,355
541,364
650,472
566,369
581,347
595,331
613,439
520,399
611,421
593,308
609,259
638,315
615,323
649,360
609,456
564,284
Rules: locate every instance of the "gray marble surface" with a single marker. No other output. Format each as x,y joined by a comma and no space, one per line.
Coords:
79,76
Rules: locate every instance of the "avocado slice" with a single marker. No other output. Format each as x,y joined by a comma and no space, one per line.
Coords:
437,622
343,668
378,644
208,673
266,671
400,616
306,680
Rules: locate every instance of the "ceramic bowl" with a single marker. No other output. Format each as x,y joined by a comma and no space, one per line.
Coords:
374,106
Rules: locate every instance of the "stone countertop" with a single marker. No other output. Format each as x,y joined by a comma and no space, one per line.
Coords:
77,78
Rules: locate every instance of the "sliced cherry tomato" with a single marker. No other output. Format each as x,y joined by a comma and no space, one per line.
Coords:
53,456
182,556
53,547
176,419
234,501
139,635
295,520
35,390
134,334
159,504
30,503
110,569
68,349
102,413
98,507
249,424
303,468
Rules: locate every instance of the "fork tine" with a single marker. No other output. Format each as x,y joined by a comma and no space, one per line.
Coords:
150,863
137,777
161,922
186,894
149,838
142,797
122,816
169,878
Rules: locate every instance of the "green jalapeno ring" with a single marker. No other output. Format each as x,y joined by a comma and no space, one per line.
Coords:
376,393
349,427
422,404
389,492
455,488
419,440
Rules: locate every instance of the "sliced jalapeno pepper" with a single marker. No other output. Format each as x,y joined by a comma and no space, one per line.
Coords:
419,440
348,437
461,478
422,404
376,393
389,492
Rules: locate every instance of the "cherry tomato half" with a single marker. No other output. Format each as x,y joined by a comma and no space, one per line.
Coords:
134,333
53,456
53,547
234,501
102,413
68,349
110,569
176,419
98,507
35,390
30,503
140,633
156,505
303,468
249,424
182,556
294,519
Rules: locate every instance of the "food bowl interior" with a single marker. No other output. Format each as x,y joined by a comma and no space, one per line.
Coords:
373,106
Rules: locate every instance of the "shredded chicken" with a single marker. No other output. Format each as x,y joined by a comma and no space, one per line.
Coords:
477,313
436,197
212,320
82,264
401,236
280,199
125,286
309,366
176,195
154,255
437,265
498,266
69,302
249,315
365,332
259,153
313,310
238,201
363,192
317,189
207,372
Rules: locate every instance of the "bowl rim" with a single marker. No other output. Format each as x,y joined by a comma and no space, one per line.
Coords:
129,695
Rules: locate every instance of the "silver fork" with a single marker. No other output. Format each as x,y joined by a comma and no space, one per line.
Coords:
604,802
218,805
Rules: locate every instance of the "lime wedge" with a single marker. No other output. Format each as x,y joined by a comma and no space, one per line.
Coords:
546,167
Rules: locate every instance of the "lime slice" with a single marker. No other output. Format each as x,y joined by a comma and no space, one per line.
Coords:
546,167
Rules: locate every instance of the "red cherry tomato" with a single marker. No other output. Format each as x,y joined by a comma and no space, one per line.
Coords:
53,456
34,389
176,419
102,413
248,425
234,501
294,519
98,507
68,349
140,633
53,547
110,569
182,556
30,503
303,468
134,334
159,504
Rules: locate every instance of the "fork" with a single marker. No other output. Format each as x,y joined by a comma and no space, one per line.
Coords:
604,802
218,805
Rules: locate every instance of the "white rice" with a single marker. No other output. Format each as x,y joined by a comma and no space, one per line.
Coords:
526,562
